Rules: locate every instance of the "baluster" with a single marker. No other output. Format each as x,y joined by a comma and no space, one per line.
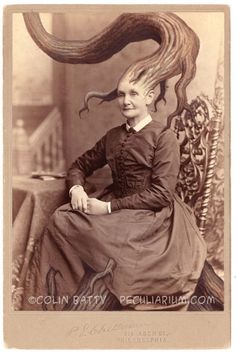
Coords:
54,153
22,155
61,161
47,155
39,159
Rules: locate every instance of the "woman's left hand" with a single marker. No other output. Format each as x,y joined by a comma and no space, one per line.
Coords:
96,207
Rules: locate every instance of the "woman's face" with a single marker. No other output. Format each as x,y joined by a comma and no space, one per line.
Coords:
133,99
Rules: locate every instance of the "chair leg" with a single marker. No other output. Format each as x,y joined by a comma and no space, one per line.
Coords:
209,292
92,294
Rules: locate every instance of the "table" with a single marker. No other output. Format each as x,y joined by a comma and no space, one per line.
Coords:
34,201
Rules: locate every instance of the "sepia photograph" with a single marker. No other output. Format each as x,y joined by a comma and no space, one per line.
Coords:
118,170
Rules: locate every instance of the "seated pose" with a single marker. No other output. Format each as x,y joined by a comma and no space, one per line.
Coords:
138,221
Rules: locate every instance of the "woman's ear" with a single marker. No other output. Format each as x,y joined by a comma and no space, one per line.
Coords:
149,97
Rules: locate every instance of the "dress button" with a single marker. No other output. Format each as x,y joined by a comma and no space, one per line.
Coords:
123,144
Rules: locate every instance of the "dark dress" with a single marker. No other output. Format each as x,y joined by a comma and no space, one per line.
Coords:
150,234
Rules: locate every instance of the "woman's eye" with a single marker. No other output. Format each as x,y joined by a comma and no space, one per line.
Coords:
133,93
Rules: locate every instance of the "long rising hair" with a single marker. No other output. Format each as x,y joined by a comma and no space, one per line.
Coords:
176,54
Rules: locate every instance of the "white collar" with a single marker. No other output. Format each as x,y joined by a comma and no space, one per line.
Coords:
140,125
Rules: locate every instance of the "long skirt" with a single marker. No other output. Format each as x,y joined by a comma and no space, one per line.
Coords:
158,256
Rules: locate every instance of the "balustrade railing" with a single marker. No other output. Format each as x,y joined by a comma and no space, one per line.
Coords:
43,150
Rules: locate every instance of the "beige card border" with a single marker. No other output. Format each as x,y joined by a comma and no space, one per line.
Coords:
111,329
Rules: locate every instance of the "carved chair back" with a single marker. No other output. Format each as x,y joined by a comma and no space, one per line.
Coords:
198,133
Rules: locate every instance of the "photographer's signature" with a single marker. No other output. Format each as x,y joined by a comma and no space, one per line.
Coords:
94,329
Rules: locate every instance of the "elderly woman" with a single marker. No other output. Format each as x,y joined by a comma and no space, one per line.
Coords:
139,221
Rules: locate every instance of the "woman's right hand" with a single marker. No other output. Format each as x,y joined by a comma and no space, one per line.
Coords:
79,199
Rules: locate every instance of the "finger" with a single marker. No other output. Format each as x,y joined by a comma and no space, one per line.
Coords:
74,203
88,209
80,205
74,206
84,202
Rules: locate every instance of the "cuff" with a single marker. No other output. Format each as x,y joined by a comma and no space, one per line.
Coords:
109,207
115,205
74,187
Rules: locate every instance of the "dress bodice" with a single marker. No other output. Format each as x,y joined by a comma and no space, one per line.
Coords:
130,156
144,166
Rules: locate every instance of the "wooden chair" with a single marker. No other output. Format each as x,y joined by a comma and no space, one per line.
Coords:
198,131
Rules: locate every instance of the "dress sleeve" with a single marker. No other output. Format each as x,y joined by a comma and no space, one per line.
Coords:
87,163
165,171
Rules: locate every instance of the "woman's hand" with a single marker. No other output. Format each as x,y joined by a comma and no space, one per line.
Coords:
96,207
79,199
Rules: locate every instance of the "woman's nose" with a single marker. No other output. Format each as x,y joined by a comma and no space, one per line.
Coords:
126,99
